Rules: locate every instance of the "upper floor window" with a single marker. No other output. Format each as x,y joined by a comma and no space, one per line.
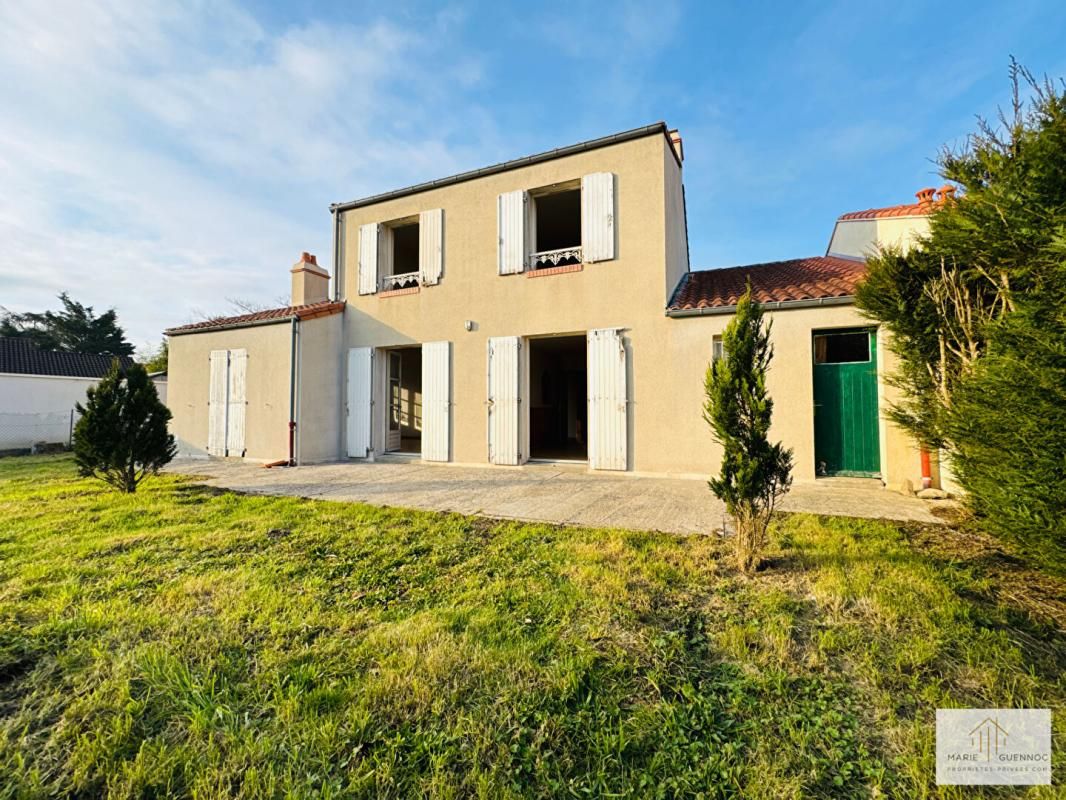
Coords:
399,266
558,225
402,253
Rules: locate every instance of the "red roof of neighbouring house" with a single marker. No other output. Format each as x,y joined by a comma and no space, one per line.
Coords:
928,201
308,311
906,210
815,278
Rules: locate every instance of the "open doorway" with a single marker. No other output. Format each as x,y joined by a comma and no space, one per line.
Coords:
558,399
403,387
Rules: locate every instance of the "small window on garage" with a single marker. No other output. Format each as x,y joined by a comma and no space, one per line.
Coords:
717,349
846,347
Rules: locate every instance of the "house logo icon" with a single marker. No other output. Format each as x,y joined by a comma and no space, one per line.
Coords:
988,737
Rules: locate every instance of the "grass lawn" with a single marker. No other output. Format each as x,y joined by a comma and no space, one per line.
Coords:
190,642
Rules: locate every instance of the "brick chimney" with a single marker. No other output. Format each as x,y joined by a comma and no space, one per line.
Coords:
947,192
310,283
675,140
925,197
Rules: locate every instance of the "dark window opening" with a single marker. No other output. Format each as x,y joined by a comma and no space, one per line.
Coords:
405,249
842,348
558,391
558,223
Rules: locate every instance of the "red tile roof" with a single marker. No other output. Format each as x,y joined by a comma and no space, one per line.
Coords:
814,278
928,202
308,311
907,210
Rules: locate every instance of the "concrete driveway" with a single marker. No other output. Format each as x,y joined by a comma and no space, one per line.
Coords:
543,492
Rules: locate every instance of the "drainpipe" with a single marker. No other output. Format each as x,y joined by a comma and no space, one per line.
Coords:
927,470
292,391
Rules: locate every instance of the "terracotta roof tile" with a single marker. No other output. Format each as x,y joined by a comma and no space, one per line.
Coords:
929,200
813,278
21,357
906,210
308,311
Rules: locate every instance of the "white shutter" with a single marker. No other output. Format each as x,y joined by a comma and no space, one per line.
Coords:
436,400
216,403
238,366
368,258
607,399
597,216
360,363
503,400
431,245
511,221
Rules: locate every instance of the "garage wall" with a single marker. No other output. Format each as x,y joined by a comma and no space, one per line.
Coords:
321,403
267,388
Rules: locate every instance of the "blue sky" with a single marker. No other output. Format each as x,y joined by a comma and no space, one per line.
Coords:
164,157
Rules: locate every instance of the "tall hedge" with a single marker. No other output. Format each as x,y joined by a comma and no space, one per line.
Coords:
975,310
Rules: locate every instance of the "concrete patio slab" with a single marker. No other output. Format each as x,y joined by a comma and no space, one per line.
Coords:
563,494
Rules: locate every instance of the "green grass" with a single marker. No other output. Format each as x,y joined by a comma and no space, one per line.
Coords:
190,642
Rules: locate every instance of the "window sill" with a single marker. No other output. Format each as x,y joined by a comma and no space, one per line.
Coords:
398,292
544,272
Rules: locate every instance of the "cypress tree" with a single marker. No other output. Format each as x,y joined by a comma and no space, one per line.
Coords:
755,474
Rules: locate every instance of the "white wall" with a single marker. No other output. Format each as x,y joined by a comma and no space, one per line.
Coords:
858,238
36,408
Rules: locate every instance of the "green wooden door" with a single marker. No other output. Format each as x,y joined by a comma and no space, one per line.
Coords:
846,440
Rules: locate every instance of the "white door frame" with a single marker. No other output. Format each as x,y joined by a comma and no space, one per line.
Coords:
379,412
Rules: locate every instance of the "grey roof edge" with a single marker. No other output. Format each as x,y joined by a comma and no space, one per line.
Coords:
775,305
504,166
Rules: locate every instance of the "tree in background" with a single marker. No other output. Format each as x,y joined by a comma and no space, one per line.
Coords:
156,360
755,474
975,312
122,435
75,329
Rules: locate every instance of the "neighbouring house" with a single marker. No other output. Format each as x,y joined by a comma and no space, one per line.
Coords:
160,381
543,309
39,389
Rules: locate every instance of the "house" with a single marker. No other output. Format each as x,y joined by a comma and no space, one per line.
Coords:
542,309
39,388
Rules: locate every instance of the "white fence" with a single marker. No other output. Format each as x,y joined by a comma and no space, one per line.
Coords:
20,431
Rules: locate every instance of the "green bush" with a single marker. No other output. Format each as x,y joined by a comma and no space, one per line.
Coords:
122,435
975,312
1008,421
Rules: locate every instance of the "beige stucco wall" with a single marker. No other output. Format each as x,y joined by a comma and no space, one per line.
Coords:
790,381
320,407
676,226
320,403
667,356
627,291
267,389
